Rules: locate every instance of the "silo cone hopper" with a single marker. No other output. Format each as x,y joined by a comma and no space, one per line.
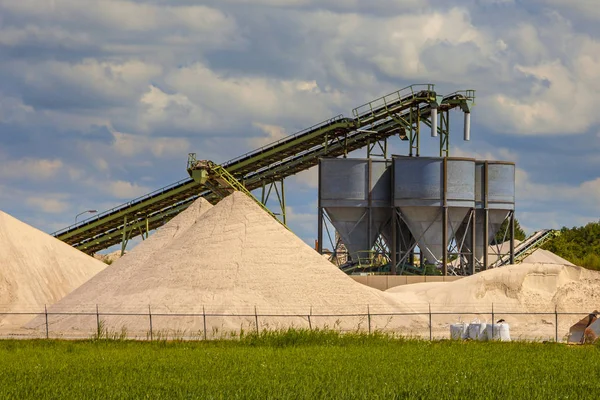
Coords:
495,220
426,225
423,187
352,224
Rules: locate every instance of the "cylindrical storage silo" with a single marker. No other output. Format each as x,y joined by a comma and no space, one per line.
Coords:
494,192
355,194
423,186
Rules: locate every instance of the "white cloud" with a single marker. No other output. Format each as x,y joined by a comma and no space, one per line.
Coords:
30,169
159,110
123,15
48,204
255,98
132,145
584,8
124,190
274,133
87,84
308,178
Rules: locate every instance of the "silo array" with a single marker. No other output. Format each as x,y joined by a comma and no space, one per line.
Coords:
434,206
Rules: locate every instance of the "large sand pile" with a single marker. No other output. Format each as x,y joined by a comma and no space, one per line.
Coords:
233,259
516,288
36,270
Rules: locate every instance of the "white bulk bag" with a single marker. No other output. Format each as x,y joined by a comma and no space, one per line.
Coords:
499,332
477,331
458,331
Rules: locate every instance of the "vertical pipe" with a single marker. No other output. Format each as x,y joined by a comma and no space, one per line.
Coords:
411,133
434,122
512,237
369,317
445,218
467,127
418,128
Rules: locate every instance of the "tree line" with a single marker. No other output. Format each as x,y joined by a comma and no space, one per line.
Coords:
579,245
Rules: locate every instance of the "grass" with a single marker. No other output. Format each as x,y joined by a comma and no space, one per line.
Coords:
297,365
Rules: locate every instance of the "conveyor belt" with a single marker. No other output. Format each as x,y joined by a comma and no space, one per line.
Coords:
528,246
288,156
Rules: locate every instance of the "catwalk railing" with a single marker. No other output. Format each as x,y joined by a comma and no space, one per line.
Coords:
424,321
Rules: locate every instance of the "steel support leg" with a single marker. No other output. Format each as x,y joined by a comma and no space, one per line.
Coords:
512,237
445,241
473,258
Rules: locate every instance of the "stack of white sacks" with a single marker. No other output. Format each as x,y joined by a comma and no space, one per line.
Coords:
481,331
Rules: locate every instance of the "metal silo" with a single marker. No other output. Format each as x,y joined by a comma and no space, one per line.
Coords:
355,194
494,203
433,196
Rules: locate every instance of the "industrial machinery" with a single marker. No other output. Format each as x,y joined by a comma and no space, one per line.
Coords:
401,113
388,211
219,181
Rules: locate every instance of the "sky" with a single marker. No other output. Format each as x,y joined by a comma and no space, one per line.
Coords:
101,100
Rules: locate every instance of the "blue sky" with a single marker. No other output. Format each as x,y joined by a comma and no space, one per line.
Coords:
101,100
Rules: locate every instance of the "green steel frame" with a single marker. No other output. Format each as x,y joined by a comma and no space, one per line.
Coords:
399,113
216,178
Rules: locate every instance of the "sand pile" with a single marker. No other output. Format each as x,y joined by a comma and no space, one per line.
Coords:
515,288
233,259
36,269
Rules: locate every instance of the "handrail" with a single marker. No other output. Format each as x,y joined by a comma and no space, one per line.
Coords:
401,94
321,124
123,205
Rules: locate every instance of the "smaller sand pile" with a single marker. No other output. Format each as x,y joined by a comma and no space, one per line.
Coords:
36,269
234,259
109,258
516,288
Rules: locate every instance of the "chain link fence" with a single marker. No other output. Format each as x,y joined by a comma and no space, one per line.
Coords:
429,322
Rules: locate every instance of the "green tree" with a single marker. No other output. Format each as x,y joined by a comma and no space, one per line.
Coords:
500,235
579,245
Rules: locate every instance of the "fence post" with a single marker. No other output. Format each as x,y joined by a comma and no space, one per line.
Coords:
150,317
369,317
309,321
46,313
556,323
256,318
492,321
98,322
204,321
430,324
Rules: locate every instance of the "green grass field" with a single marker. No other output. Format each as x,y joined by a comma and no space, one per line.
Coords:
297,365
